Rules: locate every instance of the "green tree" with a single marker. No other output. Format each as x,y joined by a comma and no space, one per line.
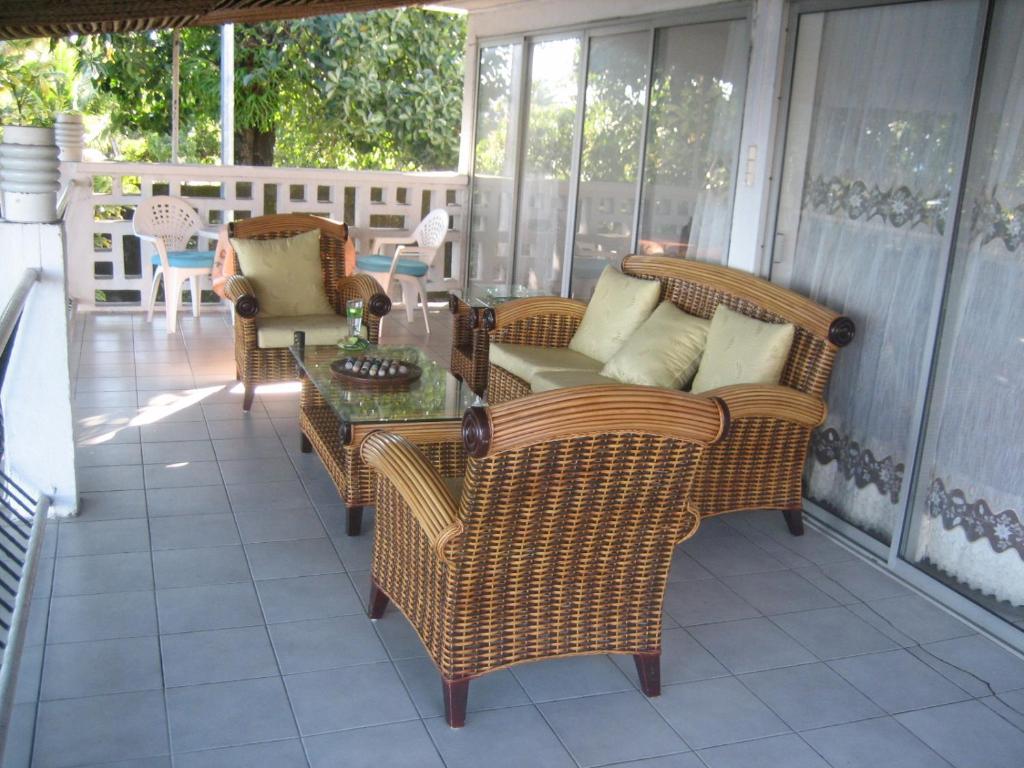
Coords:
37,80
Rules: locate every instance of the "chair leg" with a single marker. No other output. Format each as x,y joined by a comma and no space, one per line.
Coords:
423,303
158,274
250,393
194,290
794,521
456,694
378,601
304,445
408,294
354,524
172,295
648,669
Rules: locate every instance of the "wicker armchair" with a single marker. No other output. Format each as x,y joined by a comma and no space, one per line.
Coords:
759,465
256,365
561,539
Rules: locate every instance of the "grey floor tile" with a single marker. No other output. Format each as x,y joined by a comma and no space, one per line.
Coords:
174,432
280,525
348,697
100,729
818,577
241,429
922,620
308,597
111,505
500,738
897,681
491,691
274,754
866,613
103,537
201,500
685,568
398,636
219,606
217,656
192,531
611,728
865,581
731,555
307,646
229,714
1009,706
872,743
779,592
200,567
172,453
100,667
789,751
551,679
182,474
813,546
680,760
683,660
282,559
96,574
696,711
705,602
242,471
108,455
751,645
101,617
991,666
254,497
253,448
833,633
397,745
811,696
17,752
356,552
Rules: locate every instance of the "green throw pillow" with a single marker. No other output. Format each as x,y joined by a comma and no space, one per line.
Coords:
663,352
285,273
619,305
742,350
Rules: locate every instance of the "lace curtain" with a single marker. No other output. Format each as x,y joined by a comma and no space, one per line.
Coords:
970,503
891,101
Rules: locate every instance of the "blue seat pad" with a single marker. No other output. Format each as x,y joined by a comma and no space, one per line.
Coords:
381,264
187,259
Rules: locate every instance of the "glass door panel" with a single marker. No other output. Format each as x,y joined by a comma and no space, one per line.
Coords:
881,99
967,524
693,140
546,166
490,234
616,99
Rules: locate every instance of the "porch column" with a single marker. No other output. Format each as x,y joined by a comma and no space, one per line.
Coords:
227,94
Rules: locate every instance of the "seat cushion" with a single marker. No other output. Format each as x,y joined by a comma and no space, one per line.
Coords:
524,360
742,350
382,265
286,274
276,332
663,352
186,259
619,305
544,381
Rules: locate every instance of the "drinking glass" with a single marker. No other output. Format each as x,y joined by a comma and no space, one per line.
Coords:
354,315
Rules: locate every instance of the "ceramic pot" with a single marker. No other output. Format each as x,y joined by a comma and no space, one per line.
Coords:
29,174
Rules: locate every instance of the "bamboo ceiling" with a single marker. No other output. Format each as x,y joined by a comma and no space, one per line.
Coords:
60,18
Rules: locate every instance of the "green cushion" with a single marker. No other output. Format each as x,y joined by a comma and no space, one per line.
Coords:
663,352
544,381
524,360
619,305
742,350
277,332
382,265
186,259
285,273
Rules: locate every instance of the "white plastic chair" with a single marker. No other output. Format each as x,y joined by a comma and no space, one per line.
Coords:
169,223
412,260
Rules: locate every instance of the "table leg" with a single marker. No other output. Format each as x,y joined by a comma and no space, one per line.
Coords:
304,445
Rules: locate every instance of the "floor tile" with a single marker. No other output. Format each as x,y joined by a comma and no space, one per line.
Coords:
713,712
307,646
779,592
100,729
730,556
491,691
818,577
308,597
685,568
500,738
110,505
217,656
398,636
200,567
192,531
833,633
101,667
397,745
253,497
683,660
241,429
897,681
282,559
242,471
967,734
220,606
202,500
705,602
789,751
920,619
174,432
229,714
96,574
570,677
274,754
108,455
992,667
682,760
865,581
611,728
751,645
872,743
280,525
254,448
101,617
103,537
182,474
1009,706
811,696
172,453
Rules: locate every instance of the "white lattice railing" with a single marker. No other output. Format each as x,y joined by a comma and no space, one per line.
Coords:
106,266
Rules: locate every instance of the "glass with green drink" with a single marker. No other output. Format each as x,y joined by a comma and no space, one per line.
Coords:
354,315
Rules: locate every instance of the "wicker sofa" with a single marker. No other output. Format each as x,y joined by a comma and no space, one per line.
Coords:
759,464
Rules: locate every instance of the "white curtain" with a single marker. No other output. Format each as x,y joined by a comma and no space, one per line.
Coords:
890,109
970,503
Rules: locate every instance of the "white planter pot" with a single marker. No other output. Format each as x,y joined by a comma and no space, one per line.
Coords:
70,135
29,174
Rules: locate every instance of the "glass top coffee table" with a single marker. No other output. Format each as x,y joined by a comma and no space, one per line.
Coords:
335,417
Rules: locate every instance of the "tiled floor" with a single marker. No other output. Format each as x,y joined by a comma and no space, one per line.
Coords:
206,609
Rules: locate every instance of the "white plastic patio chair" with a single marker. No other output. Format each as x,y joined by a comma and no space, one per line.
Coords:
169,223
412,260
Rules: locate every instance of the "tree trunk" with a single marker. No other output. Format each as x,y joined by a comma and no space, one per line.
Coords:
254,147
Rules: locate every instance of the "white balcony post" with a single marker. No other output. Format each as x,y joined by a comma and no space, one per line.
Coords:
227,94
